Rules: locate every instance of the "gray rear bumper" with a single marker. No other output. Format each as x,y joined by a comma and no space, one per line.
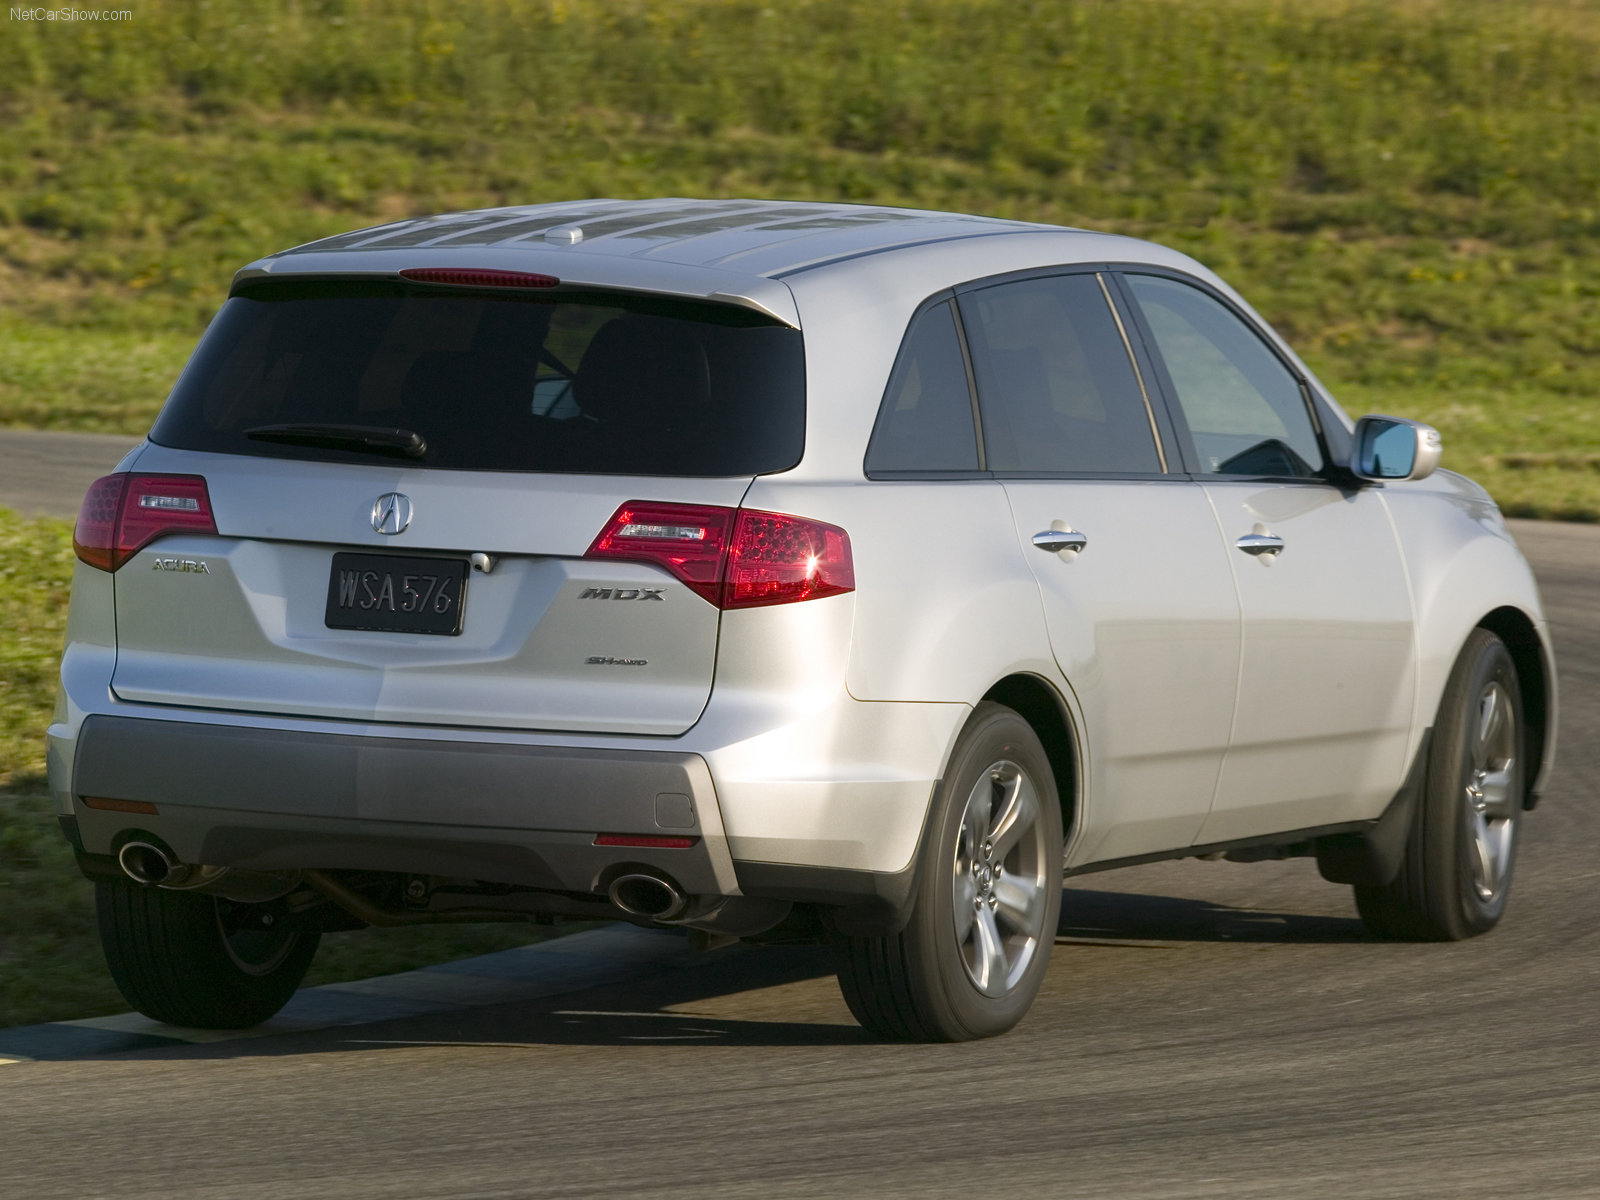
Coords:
275,799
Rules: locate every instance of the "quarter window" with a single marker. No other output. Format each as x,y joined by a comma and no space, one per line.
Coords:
1055,381
925,423
1245,410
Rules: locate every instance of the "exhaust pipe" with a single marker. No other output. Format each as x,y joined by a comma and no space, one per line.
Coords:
144,863
149,864
650,896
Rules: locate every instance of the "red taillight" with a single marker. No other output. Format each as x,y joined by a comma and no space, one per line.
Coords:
777,559
479,277
122,514
690,540
735,558
94,538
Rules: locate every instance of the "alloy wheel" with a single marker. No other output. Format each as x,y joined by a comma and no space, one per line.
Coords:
1490,808
998,879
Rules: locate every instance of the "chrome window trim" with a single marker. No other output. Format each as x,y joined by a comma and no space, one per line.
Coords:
972,381
1133,361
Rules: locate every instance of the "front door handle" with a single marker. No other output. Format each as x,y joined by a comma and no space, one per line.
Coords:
1056,540
1261,545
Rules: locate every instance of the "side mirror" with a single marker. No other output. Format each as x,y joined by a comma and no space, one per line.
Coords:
1394,448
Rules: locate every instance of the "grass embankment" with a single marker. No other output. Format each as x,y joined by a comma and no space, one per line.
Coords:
1410,189
50,962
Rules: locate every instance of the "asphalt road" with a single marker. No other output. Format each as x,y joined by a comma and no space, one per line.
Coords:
1207,1029
46,474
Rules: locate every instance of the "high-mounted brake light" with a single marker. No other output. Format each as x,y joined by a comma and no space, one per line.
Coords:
735,558
479,277
122,514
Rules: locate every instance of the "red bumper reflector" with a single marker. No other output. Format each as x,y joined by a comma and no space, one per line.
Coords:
127,806
645,841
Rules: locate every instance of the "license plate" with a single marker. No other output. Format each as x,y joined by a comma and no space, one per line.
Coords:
394,593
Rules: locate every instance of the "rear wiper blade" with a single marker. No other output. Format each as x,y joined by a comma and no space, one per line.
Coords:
370,439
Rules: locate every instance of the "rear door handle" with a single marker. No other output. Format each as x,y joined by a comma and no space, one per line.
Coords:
1261,545
1056,540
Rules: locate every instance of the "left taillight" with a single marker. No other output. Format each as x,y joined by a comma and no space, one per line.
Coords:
122,514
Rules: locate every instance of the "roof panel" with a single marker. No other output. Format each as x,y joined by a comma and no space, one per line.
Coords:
835,245
741,220
512,230
755,237
644,215
360,237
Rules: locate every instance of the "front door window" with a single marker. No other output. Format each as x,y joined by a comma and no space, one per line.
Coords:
1245,411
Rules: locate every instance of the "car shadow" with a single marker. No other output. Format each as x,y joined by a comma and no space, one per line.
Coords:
754,996
1089,916
718,998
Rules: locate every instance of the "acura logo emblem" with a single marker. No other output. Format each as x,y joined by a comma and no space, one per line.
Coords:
391,513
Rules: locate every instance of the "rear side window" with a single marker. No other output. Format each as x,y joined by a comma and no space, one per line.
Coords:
549,381
925,423
1055,380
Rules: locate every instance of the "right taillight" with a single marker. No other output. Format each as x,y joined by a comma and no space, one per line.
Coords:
735,558
778,559
122,514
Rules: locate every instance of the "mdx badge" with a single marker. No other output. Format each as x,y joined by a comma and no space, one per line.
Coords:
594,593
391,513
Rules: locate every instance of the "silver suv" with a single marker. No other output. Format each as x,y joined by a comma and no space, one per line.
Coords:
770,570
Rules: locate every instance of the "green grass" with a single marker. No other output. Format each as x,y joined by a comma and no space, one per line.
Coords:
1410,189
50,962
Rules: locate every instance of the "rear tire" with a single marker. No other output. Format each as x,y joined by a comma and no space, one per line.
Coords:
1455,877
190,959
974,953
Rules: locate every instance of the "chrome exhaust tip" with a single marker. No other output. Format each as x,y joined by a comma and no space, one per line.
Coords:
649,896
144,863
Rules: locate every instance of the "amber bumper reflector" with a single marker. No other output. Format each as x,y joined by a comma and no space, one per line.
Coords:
127,806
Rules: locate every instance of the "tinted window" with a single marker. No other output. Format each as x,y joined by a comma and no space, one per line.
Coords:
925,423
1055,382
1244,409
514,382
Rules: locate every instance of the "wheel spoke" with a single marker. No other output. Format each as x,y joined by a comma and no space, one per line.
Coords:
1021,903
980,812
1018,814
991,964
1484,867
1489,717
966,891
969,841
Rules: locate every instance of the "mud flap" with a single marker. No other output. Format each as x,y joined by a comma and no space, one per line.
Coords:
1372,858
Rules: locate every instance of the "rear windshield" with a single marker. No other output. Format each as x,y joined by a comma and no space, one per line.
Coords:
514,381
